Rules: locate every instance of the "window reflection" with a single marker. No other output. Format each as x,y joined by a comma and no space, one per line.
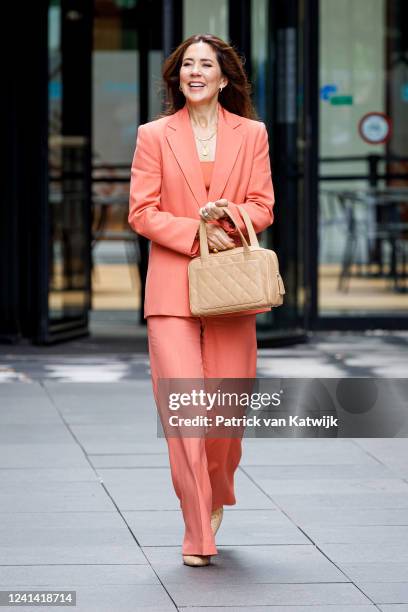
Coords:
363,201
68,288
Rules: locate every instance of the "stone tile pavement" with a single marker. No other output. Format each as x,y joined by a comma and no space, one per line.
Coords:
87,502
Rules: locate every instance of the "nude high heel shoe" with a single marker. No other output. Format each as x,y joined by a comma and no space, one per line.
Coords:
201,560
196,560
216,518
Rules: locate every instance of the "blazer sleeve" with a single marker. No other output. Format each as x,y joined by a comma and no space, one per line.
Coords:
260,198
145,216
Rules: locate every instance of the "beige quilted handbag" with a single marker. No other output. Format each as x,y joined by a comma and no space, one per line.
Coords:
242,278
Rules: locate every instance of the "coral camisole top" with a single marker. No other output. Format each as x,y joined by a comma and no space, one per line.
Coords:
207,168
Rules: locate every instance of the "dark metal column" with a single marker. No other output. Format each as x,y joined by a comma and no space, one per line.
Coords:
172,25
239,26
24,184
286,26
311,138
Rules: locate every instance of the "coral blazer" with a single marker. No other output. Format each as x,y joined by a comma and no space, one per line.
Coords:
167,190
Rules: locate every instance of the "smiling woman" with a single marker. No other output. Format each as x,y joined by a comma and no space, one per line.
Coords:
209,118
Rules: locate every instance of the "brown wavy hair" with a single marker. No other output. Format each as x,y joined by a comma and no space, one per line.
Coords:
235,97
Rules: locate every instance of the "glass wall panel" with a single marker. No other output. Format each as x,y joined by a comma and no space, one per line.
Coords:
363,171
155,84
205,17
261,58
115,96
127,58
116,115
68,157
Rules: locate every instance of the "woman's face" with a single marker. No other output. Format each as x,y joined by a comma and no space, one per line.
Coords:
200,74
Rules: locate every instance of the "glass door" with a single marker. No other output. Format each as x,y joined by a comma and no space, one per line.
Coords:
362,263
127,60
65,265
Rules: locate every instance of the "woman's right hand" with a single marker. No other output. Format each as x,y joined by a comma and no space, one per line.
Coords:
217,238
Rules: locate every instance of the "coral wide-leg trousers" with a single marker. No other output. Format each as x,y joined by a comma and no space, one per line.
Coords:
202,469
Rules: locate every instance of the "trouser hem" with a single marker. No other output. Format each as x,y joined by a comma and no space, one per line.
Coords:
205,551
223,503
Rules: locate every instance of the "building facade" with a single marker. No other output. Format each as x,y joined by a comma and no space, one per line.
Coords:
330,80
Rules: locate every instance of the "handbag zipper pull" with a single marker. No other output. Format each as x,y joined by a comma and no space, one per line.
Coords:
280,284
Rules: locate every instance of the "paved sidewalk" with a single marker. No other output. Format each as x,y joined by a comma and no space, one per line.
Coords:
87,502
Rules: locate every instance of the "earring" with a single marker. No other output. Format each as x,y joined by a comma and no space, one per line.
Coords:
180,88
220,89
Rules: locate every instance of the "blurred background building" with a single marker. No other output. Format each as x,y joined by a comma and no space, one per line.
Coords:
330,80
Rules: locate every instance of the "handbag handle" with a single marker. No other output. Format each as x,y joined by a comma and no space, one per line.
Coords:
253,240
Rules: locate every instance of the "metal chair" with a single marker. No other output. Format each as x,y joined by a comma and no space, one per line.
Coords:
358,207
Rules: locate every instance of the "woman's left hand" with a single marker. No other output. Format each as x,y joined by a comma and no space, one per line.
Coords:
213,210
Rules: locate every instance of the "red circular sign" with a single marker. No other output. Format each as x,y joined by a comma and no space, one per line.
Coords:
375,128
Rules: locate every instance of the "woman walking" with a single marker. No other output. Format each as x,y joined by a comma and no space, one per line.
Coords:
206,153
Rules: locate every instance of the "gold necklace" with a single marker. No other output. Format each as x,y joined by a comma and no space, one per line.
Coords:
204,147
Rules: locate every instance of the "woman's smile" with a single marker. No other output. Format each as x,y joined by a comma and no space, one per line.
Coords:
196,86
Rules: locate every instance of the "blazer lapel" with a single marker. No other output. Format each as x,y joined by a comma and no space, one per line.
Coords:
181,139
229,141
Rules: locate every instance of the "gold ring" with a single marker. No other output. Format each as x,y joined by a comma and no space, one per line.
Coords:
215,250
